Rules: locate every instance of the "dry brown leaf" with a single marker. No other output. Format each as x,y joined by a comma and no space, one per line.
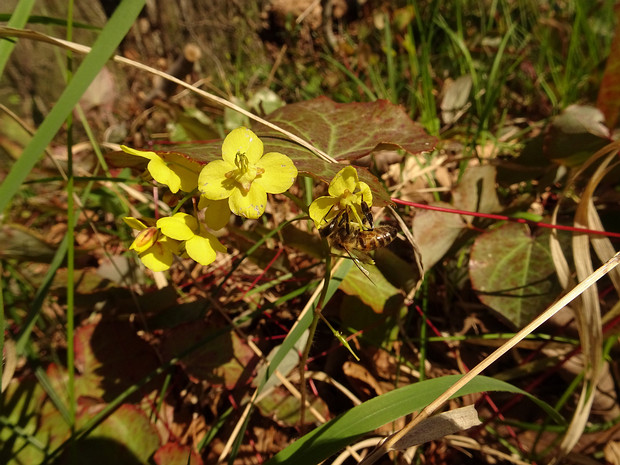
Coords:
454,102
362,378
587,312
612,452
10,362
435,233
438,426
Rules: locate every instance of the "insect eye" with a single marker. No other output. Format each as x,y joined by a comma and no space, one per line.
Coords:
327,230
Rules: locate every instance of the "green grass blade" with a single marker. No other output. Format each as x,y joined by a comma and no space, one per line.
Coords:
343,430
37,302
389,60
18,19
304,323
369,93
102,50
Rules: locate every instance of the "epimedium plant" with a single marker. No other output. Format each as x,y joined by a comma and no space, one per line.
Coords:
239,183
236,175
352,132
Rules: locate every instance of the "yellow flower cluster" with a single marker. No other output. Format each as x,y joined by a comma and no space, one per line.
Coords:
239,183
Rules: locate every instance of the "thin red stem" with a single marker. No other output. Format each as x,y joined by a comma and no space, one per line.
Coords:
507,218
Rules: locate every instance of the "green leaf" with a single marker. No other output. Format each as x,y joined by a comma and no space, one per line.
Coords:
345,429
18,19
379,329
304,323
285,408
191,124
375,294
513,273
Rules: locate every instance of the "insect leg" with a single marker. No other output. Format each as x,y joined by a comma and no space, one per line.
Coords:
367,214
358,263
344,221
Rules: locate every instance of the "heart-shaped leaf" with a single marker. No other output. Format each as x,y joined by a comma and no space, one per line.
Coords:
513,272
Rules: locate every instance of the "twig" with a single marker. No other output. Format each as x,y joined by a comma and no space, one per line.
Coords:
82,49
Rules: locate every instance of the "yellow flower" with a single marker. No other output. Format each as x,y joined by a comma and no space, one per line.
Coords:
200,245
346,192
171,169
245,176
155,250
217,214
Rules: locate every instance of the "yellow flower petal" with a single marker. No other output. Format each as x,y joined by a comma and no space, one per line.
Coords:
217,214
134,223
171,169
365,193
279,173
164,175
213,182
139,153
187,170
345,180
157,258
242,140
199,248
172,245
180,226
144,240
250,204
215,243
322,210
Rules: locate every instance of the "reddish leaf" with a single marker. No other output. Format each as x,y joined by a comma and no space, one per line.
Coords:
348,131
220,361
608,100
435,232
126,437
345,131
111,357
476,190
176,454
